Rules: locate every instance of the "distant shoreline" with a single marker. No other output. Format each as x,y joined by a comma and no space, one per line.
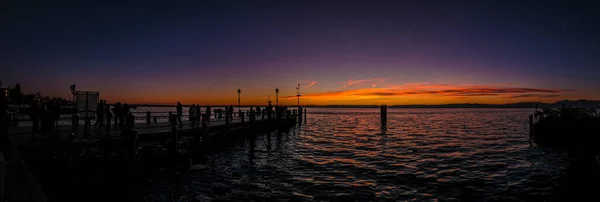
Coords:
574,103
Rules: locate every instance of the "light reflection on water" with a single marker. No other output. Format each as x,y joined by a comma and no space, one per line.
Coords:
343,154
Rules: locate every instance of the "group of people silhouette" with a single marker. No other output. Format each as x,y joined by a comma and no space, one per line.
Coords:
44,116
120,113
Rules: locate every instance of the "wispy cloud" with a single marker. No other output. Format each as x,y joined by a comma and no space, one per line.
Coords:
443,90
312,83
373,82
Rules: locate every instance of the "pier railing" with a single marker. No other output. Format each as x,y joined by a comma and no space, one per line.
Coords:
148,119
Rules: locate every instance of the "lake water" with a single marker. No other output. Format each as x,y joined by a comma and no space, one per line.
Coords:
344,155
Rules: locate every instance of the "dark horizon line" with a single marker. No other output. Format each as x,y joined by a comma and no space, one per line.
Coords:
457,105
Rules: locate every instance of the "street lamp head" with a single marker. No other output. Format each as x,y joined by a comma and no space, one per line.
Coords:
239,91
276,90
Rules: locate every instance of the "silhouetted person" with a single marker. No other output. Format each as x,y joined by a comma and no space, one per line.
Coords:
208,113
108,114
198,114
55,110
128,116
192,114
179,113
117,113
100,113
34,115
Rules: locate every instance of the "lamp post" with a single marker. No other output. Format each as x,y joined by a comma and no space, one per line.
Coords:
276,96
239,91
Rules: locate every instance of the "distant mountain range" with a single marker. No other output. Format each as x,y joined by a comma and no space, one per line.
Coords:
571,103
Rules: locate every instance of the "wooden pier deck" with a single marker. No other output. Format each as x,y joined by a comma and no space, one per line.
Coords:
149,129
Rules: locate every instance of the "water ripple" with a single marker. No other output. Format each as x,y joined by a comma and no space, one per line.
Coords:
344,155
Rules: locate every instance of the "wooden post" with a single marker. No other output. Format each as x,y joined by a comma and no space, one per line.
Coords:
148,117
155,119
383,113
299,115
170,116
242,116
304,115
530,128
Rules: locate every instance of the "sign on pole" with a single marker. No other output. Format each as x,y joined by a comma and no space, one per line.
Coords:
86,103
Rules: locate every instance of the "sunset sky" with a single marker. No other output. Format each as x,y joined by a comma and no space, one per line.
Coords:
395,52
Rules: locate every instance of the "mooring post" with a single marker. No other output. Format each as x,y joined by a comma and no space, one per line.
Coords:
304,115
170,116
155,119
383,112
530,128
242,116
300,115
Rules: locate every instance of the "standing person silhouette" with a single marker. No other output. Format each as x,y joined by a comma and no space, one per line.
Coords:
192,114
108,114
117,113
208,114
179,113
100,114
198,114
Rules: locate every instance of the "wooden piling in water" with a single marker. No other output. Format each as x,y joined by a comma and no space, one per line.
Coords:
383,113
299,115
242,116
530,128
155,119
304,115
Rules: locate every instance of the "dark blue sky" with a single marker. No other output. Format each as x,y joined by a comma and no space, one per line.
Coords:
102,45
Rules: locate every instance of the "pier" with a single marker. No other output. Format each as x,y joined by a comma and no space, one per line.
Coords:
75,153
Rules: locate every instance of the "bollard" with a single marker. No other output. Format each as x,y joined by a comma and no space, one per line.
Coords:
148,117
242,116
